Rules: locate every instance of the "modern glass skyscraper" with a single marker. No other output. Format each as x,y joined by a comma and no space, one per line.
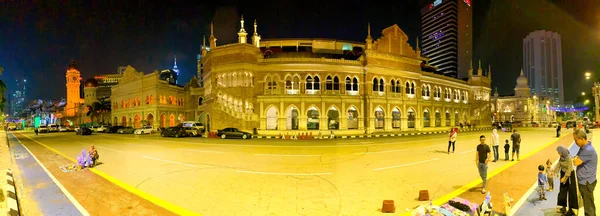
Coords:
542,62
447,36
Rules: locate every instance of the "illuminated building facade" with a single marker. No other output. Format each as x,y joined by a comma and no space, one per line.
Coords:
523,107
74,99
149,99
447,36
18,99
322,85
542,59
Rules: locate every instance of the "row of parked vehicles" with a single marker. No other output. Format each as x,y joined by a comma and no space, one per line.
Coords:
185,129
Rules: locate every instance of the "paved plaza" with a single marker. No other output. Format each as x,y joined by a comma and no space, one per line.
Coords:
282,177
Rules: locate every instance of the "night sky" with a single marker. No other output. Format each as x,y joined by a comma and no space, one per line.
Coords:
38,38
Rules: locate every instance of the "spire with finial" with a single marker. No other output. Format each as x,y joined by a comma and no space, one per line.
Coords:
212,39
242,34
479,70
369,39
255,36
470,68
204,50
418,50
489,71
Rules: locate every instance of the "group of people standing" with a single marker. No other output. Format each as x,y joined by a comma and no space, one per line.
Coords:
577,174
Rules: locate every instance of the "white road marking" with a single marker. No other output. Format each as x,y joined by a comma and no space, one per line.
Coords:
366,142
408,164
168,161
287,155
378,152
100,147
292,174
202,151
467,152
58,184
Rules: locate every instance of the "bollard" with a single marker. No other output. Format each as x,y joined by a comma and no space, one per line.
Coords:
388,206
423,195
310,136
301,137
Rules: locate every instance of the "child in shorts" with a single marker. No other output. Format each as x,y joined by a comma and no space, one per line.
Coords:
541,182
550,175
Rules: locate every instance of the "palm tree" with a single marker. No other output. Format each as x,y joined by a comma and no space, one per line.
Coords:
99,109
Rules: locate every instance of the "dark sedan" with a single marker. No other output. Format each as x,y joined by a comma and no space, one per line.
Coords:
174,132
233,132
126,130
113,129
84,131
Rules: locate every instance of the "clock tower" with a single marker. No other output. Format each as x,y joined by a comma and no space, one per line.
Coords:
73,91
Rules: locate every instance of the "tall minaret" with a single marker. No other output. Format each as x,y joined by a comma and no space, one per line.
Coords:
256,37
418,50
489,71
73,91
212,39
242,34
204,45
479,70
369,39
471,68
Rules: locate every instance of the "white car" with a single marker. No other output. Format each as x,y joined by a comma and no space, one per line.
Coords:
102,129
144,130
52,128
63,129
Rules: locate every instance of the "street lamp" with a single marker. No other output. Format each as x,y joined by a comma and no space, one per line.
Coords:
583,93
586,101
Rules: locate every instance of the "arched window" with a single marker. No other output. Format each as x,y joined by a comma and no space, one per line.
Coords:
423,91
200,101
328,83
412,88
381,85
317,84
375,84
348,84
393,86
309,83
398,87
336,83
288,83
407,88
355,84
428,91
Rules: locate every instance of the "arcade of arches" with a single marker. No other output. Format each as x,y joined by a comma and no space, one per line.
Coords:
137,120
333,118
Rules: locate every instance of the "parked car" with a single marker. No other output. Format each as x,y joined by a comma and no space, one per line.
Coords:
193,131
102,129
126,130
174,132
84,131
535,124
53,128
42,129
12,126
144,130
196,125
114,129
233,132
62,129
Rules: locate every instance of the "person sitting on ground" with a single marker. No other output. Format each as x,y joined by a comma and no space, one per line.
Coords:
93,155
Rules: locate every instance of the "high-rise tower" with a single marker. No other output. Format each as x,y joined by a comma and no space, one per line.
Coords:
447,36
73,89
175,68
542,62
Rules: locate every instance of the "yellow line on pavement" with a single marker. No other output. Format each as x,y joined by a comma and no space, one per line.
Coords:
464,188
162,203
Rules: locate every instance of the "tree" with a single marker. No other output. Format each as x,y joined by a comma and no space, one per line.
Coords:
99,109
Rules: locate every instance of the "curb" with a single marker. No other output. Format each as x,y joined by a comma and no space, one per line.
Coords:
11,195
379,135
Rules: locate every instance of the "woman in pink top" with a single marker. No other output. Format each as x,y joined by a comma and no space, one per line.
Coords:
452,139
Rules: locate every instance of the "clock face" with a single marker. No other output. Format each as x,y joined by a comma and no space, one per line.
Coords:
74,79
